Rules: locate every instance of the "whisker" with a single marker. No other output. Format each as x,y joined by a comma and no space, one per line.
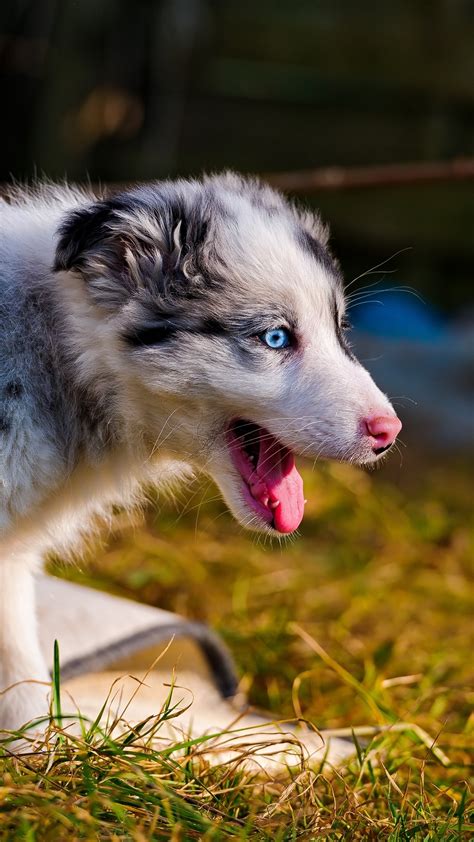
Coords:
360,296
359,303
378,265
402,397
158,443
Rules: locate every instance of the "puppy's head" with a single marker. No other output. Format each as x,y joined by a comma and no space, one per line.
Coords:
225,322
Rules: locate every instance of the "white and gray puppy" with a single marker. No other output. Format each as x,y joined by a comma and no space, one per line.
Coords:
172,327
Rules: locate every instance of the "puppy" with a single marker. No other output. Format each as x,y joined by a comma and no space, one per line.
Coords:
174,327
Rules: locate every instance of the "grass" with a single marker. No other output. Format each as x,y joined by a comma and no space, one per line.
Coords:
364,622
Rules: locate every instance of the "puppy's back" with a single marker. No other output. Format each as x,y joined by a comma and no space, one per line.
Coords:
29,220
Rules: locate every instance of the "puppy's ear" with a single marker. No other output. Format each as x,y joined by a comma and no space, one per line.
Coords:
91,243
123,245
117,250
83,231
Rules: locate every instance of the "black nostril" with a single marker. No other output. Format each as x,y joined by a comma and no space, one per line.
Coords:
379,450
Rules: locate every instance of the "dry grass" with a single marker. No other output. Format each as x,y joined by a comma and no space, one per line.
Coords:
364,622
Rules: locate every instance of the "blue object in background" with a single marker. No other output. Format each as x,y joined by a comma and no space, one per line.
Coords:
397,315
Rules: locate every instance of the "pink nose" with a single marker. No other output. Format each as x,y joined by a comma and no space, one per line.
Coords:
383,430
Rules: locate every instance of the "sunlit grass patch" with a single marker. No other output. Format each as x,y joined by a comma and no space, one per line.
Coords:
380,580
88,782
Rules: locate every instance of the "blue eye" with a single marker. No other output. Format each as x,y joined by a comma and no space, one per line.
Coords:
276,338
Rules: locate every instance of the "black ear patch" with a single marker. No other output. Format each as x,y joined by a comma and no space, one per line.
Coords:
136,243
80,233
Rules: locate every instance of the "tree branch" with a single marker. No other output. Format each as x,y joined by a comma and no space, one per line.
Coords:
382,175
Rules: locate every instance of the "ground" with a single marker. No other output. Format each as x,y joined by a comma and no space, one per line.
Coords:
365,619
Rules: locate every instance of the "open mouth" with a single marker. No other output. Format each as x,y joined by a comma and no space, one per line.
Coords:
272,486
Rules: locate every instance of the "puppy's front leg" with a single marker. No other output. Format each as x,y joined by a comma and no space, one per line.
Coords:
24,678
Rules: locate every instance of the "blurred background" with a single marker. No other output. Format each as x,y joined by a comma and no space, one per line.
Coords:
112,91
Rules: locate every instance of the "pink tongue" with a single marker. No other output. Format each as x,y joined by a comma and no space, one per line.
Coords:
276,467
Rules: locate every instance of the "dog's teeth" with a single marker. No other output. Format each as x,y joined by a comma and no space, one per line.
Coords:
305,501
274,504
